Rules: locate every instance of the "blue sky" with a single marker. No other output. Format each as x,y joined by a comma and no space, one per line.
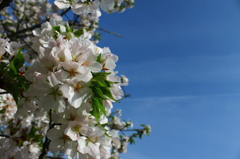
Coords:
183,62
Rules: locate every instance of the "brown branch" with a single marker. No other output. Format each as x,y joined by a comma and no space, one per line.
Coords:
6,136
47,141
11,137
4,3
45,148
28,46
65,11
138,130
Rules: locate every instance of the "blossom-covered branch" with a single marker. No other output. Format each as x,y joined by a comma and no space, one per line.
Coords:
57,87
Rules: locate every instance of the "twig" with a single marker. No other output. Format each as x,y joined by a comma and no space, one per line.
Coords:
10,137
138,130
6,136
65,11
47,141
29,46
125,95
34,26
115,34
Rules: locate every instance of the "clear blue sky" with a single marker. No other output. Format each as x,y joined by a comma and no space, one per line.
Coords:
183,61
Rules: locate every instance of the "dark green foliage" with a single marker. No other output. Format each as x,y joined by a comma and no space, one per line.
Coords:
101,91
56,28
11,79
79,32
17,62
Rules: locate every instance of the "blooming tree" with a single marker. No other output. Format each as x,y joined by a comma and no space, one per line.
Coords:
57,87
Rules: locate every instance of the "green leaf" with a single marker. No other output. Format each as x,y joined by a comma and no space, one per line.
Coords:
97,36
17,62
101,74
12,81
98,82
23,82
98,93
140,135
131,140
56,28
35,136
108,83
98,108
79,32
2,111
101,91
106,91
68,28
99,58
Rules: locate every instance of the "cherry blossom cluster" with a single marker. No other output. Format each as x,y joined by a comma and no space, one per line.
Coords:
8,107
9,149
72,77
89,11
8,49
19,138
25,15
92,7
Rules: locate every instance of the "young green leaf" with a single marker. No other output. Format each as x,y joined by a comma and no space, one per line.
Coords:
97,108
79,32
56,28
99,58
17,62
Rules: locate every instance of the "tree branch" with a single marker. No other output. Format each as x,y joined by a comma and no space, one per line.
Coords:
109,32
47,141
10,137
15,34
4,3
6,136
65,11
